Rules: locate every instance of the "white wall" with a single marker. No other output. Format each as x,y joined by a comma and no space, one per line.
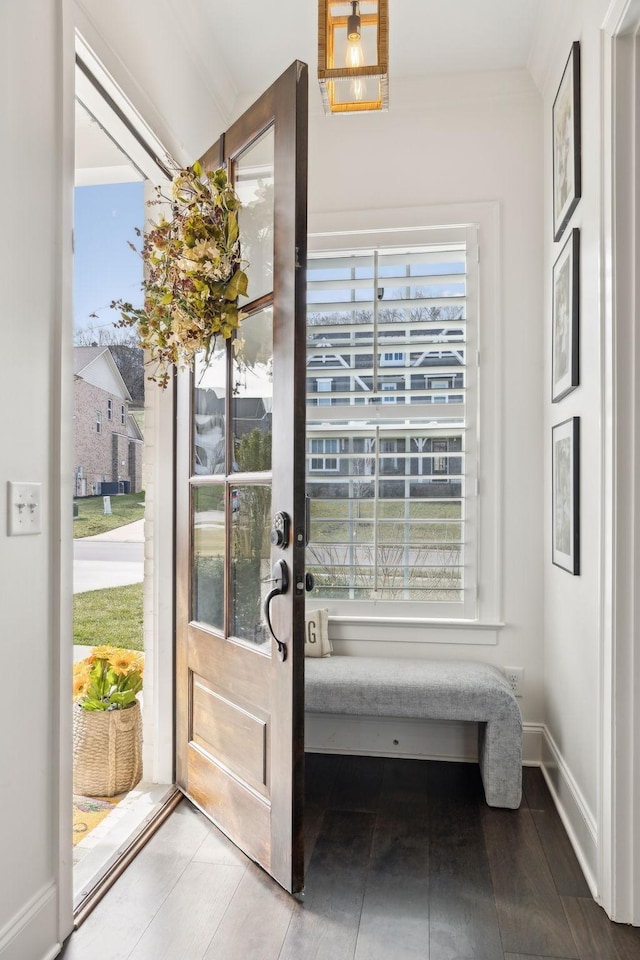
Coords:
36,161
465,139
170,71
572,628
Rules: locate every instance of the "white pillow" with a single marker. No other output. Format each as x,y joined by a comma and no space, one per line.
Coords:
316,634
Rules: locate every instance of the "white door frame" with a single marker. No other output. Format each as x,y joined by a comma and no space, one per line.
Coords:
137,140
101,96
619,800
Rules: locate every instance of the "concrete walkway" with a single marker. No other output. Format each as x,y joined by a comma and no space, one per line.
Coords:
112,559
129,533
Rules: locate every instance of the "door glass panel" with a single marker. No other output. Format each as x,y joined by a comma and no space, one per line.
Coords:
209,411
254,186
250,561
208,555
253,394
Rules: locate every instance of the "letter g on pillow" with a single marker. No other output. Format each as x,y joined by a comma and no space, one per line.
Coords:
316,635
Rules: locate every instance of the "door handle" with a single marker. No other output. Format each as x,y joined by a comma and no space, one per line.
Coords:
280,580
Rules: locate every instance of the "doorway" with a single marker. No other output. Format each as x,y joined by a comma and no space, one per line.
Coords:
116,563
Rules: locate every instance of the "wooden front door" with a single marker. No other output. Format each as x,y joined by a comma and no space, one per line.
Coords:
241,511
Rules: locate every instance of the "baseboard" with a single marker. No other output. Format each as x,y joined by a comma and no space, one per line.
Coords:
576,817
402,737
33,931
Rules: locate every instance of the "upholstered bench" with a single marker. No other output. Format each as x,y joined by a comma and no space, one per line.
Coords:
430,690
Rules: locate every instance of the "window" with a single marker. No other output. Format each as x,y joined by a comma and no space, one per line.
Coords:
109,409
391,464
123,414
394,523
392,359
98,421
441,389
323,446
324,386
386,388
440,464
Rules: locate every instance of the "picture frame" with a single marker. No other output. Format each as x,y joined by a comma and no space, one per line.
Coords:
565,339
567,175
565,485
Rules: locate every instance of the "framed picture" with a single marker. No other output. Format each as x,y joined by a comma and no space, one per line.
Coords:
567,184
565,461
566,319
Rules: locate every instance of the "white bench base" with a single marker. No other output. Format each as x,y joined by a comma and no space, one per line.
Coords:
430,690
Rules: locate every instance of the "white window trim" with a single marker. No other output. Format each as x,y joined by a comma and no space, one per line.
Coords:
328,231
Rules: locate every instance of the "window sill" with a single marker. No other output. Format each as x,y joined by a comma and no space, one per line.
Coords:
414,630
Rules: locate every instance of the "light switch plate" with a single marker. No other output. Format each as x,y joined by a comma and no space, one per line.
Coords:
23,509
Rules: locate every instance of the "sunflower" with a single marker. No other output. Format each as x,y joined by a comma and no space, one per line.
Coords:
122,661
109,678
126,662
81,678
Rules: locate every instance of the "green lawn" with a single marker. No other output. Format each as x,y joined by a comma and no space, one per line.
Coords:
345,521
125,508
387,509
112,616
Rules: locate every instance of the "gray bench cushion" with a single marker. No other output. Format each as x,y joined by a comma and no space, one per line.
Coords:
430,690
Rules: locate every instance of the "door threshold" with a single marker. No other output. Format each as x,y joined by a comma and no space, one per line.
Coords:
117,840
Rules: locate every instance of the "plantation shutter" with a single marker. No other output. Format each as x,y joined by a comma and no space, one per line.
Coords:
391,427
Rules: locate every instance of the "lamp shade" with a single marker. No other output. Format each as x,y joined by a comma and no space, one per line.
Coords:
353,55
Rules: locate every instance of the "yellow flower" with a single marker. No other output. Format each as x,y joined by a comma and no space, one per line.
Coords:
121,660
81,678
126,662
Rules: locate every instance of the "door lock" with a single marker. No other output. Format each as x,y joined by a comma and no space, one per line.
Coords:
280,526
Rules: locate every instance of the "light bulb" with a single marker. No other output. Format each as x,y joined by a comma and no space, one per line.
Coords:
355,55
357,89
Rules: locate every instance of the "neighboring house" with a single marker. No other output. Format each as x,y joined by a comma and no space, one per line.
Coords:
107,439
423,375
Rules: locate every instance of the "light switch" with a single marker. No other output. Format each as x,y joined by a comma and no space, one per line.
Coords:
23,509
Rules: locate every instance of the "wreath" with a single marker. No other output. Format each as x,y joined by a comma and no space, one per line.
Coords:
193,273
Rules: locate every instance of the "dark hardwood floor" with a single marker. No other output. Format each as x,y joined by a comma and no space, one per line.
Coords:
405,861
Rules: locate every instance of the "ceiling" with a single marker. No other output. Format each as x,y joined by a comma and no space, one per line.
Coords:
425,36
250,42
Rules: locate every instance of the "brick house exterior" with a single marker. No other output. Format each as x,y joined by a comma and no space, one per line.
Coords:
107,441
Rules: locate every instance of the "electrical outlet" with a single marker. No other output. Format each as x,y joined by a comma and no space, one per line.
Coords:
515,676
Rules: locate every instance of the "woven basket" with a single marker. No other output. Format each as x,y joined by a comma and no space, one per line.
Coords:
107,751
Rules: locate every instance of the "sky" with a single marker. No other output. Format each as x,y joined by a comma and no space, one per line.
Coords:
105,268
